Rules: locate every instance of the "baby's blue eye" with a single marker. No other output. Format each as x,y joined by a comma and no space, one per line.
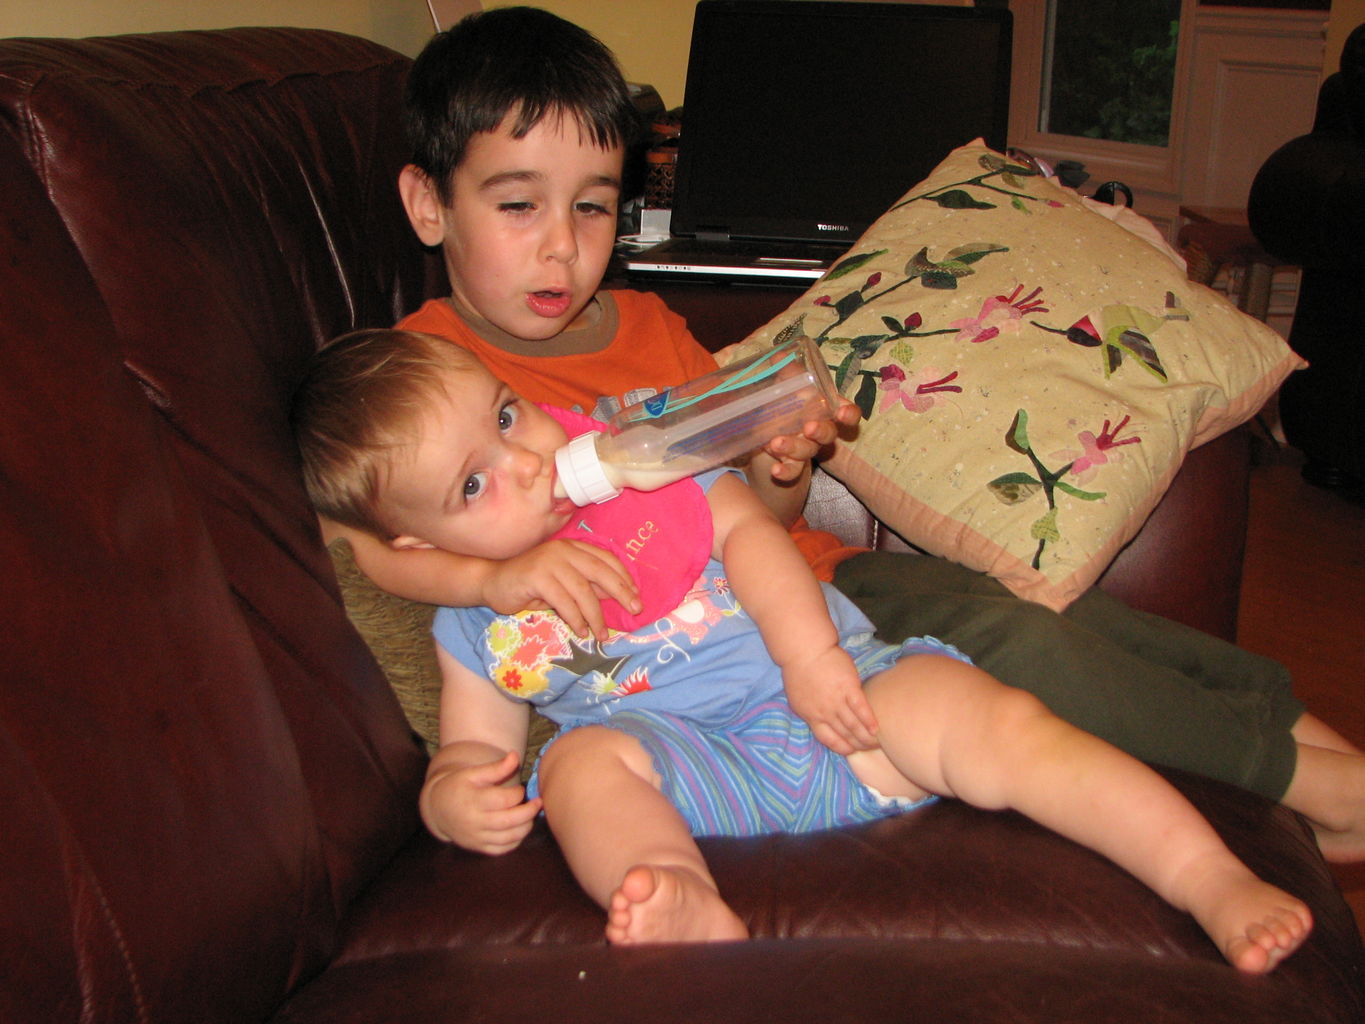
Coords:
507,416
475,485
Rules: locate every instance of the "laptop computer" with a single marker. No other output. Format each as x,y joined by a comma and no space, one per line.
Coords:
805,120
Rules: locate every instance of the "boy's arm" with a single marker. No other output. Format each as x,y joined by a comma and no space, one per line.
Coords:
567,577
473,796
776,588
427,574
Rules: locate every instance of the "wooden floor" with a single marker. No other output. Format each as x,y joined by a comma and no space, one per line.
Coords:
1303,601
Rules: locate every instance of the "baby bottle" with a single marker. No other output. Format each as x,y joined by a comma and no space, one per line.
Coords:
698,425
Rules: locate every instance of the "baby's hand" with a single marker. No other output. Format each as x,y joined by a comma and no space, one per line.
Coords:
827,693
479,808
791,452
567,576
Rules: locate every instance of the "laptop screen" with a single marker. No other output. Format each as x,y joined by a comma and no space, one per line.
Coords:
806,119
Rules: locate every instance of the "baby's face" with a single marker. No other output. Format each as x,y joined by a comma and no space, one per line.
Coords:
530,227
478,478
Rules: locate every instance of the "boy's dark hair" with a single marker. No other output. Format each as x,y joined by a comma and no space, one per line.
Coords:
511,60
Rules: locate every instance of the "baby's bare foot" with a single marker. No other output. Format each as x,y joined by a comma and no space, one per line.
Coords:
669,904
1254,924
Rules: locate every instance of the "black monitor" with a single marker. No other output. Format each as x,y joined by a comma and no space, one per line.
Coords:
804,110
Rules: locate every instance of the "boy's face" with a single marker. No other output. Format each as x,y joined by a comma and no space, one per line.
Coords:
530,226
478,478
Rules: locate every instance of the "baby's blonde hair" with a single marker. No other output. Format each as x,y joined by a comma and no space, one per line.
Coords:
358,404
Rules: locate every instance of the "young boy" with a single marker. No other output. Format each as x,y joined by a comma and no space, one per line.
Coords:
519,121
717,716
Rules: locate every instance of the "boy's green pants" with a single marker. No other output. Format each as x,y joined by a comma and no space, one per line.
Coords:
1165,693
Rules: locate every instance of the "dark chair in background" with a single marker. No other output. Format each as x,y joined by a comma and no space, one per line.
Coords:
1307,206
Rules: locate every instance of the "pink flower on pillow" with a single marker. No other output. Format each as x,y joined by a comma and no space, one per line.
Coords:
914,393
999,314
1096,451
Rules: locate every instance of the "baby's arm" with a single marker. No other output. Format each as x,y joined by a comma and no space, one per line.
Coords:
776,588
567,577
473,795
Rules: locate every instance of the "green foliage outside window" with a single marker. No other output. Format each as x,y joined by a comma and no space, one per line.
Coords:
1113,69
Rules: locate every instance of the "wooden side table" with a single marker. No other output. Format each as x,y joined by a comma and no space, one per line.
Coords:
1217,237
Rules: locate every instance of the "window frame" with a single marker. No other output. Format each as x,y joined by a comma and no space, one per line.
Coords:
1151,169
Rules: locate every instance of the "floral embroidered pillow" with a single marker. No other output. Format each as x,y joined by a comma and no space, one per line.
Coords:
1031,374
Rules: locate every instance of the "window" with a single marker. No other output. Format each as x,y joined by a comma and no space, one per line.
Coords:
1109,69
1098,82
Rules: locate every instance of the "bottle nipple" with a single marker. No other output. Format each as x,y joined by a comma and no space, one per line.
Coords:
580,475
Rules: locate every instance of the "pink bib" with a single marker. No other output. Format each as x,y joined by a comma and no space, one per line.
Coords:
662,537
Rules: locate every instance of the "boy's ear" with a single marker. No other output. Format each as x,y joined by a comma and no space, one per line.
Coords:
425,210
406,543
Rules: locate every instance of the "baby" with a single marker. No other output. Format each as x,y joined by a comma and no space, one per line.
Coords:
744,697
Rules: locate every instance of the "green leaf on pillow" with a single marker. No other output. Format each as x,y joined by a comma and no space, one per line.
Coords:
1008,171
1045,529
851,263
866,398
959,199
973,252
1140,346
1017,438
943,279
848,304
957,263
1012,488
1076,492
790,332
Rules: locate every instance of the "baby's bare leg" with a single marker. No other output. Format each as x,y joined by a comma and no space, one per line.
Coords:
951,729
1328,788
627,845
1312,731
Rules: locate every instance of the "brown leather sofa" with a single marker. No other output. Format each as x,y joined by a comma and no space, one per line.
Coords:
207,790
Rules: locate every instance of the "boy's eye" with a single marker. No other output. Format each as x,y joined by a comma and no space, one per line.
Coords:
594,208
475,485
507,417
517,207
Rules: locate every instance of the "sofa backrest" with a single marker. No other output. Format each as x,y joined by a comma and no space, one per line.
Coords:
201,763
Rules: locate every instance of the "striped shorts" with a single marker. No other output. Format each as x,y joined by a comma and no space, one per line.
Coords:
765,772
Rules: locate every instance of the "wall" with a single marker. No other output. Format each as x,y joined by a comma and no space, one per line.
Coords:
404,25
649,37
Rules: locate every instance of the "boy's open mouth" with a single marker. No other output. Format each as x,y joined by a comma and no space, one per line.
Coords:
549,303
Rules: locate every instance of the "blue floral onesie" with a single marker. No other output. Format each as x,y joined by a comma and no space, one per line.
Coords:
699,690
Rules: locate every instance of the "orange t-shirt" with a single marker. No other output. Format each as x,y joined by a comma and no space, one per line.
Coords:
636,347
633,347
